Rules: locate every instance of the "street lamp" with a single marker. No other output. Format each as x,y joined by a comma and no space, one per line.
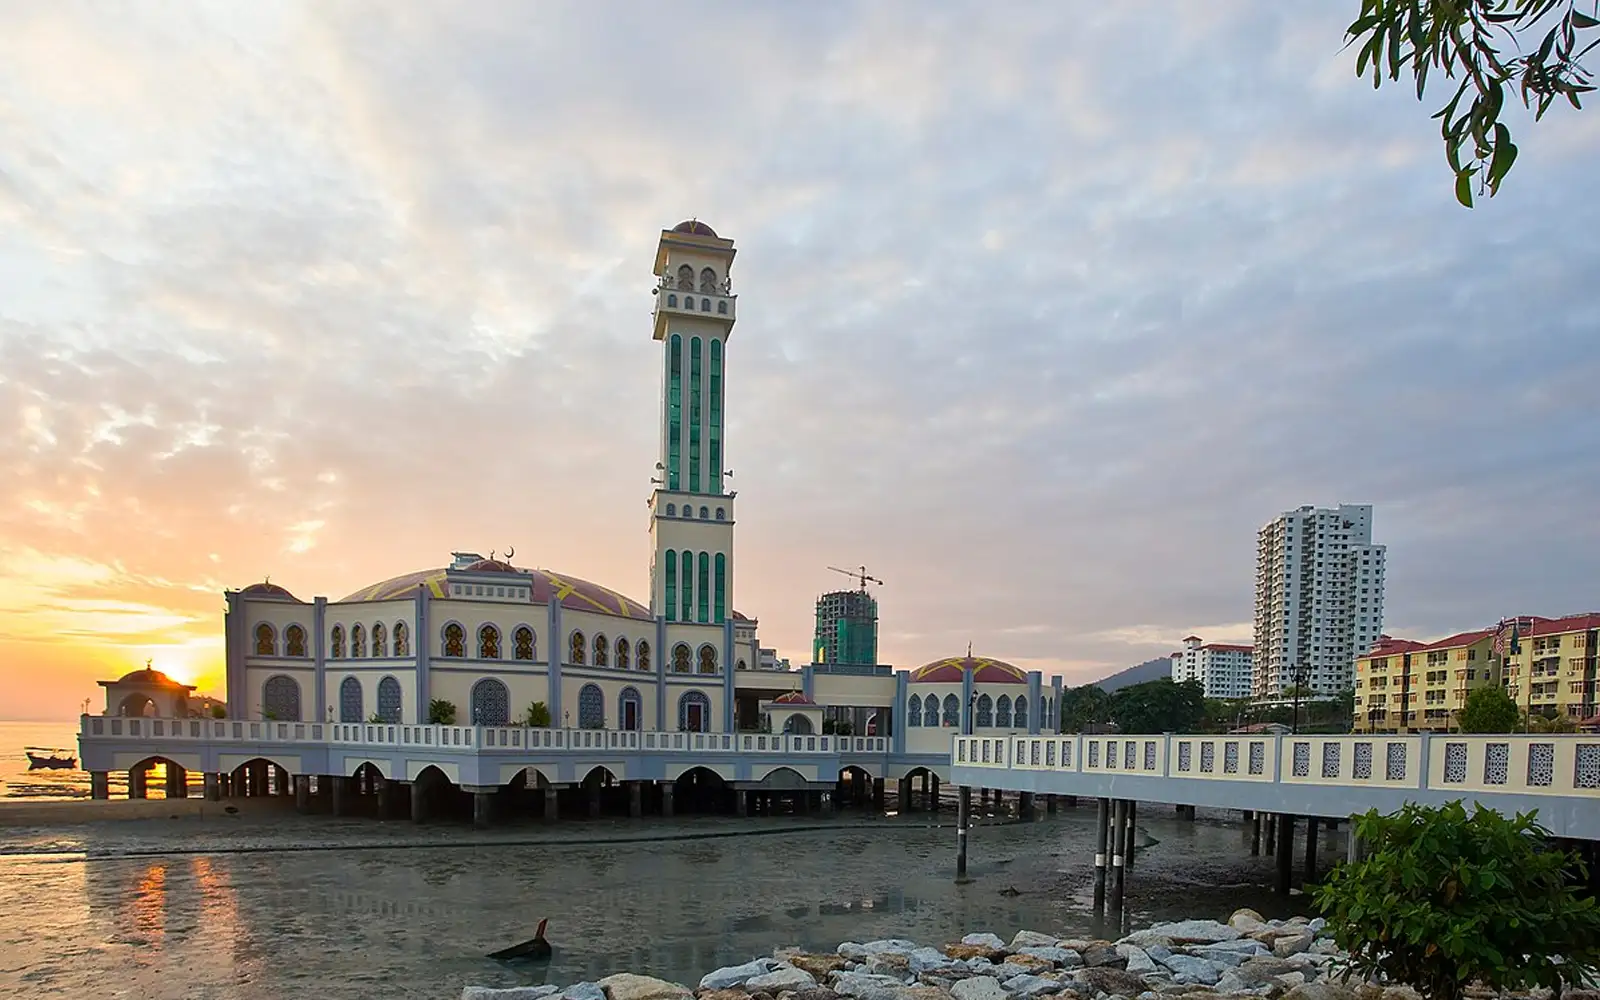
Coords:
1299,681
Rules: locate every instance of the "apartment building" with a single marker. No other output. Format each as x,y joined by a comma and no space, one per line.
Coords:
1319,599
1407,686
1550,667
1223,670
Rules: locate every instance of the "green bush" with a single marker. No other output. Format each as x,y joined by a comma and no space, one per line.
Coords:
441,712
1488,710
537,716
1444,899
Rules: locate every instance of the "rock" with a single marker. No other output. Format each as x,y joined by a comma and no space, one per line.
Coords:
891,946
1291,979
1191,969
812,993
1025,963
967,951
1229,982
1032,939
1136,960
1242,946
985,940
1109,980
1197,932
1033,986
629,986
863,984
733,975
1286,946
1148,938
731,993
1059,957
1158,952
1326,946
820,966
852,951
1073,944
1320,991
929,959
889,963
978,988
1316,924
1246,920
1104,953
1262,969
1222,959
922,993
583,991
511,993
784,977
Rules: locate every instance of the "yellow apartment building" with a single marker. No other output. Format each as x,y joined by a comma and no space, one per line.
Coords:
1551,667
1407,686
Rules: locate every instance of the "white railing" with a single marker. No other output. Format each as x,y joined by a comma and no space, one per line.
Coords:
1564,765
476,738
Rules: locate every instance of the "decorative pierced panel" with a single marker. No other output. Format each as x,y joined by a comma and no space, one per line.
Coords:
1541,764
591,707
491,703
1330,760
1586,769
1149,755
1185,757
1394,762
1208,757
1094,753
280,699
1302,760
389,696
914,711
1362,767
1035,756
1496,763
349,700
1050,754
1258,757
1130,755
1230,757
1455,763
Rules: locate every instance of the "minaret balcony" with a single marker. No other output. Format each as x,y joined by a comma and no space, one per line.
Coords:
719,303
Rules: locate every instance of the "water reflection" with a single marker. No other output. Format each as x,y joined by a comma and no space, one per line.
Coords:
415,923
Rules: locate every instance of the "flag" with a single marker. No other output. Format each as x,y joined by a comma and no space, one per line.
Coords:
1516,646
1499,648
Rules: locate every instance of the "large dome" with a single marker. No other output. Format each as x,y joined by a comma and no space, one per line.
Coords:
984,671
268,590
148,675
573,593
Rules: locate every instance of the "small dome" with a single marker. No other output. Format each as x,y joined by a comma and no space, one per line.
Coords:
266,589
984,671
694,227
147,676
793,698
491,566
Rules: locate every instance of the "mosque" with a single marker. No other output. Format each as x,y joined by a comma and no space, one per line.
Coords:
487,641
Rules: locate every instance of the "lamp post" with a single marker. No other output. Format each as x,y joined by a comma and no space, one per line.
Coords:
1299,680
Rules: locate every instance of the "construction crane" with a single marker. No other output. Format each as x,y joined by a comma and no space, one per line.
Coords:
859,575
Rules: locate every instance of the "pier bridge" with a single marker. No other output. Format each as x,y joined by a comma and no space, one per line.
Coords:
1273,780
392,761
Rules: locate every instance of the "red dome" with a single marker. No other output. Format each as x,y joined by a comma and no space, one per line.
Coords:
793,698
694,227
265,589
984,671
579,595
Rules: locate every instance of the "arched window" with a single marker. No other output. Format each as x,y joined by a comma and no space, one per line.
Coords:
952,710
578,649
1002,712
455,640
389,698
380,640
681,659
694,712
704,513
708,280
349,700
686,278
688,511
358,641
402,639
336,643
798,725
294,641
266,641
705,305
672,510
672,301
522,643
722,307
1019,716
644,655
930,711
630,710
280,699
985,717
491,703
624,660
602,651
488,643
708,659
722,513
591,707
914,711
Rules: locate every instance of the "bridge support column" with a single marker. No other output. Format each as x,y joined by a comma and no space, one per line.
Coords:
1119,818
1354,849
1311,850
386,794
213,787
877,792
302,793
1070,801
1102,826
741,802
137,780
594,801
904,794
419,802
552,805
963,821
1254,833
1049,805
1271,823
99,785
1025,805
1285,846
177,782
666,798
340,790
933,791
635,799
1129,836
482,807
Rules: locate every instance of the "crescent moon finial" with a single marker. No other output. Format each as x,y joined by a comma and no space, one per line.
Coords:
511,550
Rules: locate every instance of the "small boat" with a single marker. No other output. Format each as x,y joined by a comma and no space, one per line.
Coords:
536,949
47,757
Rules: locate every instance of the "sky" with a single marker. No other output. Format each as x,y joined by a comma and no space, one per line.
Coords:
1042,315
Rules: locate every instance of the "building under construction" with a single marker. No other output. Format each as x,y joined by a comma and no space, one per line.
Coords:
847,628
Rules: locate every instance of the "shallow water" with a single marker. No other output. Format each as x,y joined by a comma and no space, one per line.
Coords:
397,911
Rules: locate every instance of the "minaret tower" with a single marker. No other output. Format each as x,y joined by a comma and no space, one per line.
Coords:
691,512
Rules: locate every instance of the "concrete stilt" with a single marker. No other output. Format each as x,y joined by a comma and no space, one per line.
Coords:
1285,851
340,790
635,799
177,782
1070,801
386,796
1102,829
482,808
878,792
933,791
137,780
963,821
1310,874
1129,836
1025,805
552,804
666,798
903,793
1271,823
213,787
1119,818
741,802
594,801
1255,833
1049,805
302,793
99,785
1354,848
419,802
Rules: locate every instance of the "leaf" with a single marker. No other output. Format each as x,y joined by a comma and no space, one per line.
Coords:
1464,188
1582,20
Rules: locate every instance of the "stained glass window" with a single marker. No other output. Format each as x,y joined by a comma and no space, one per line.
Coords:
681,659
266,642
522,643
577,649
488,643
455,640
294,641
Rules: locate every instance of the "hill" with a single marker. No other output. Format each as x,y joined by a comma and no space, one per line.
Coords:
1149,670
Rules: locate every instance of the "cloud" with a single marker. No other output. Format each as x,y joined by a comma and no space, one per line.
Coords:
1041,316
